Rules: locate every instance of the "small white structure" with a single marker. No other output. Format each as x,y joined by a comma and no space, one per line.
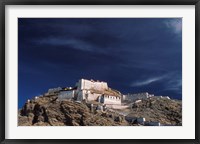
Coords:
137,101
141,120
36,97
99,107
167,97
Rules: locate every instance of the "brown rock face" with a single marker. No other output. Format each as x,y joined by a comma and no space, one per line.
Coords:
165,111
49,112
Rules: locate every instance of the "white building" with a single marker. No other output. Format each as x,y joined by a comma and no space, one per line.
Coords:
90,90
84,84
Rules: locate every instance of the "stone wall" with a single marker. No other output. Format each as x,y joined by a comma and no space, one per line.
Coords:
138,96
85,94
66,95
52,90
91,96
117,106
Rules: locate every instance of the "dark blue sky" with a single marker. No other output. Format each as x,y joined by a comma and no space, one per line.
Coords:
131,54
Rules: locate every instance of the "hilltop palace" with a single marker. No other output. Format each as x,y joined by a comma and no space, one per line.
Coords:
99,95
91,91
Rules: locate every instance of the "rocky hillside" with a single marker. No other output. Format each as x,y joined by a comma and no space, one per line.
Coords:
159,109
48,111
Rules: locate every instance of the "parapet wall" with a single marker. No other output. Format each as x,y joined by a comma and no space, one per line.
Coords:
114,100
134,97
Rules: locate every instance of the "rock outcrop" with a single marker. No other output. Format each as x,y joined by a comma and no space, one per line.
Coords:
159,109
48,111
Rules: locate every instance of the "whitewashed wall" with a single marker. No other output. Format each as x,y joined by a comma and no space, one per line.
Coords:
93,97
80,94
112,100
87,84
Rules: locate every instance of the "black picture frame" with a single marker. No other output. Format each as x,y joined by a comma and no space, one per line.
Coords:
3,4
